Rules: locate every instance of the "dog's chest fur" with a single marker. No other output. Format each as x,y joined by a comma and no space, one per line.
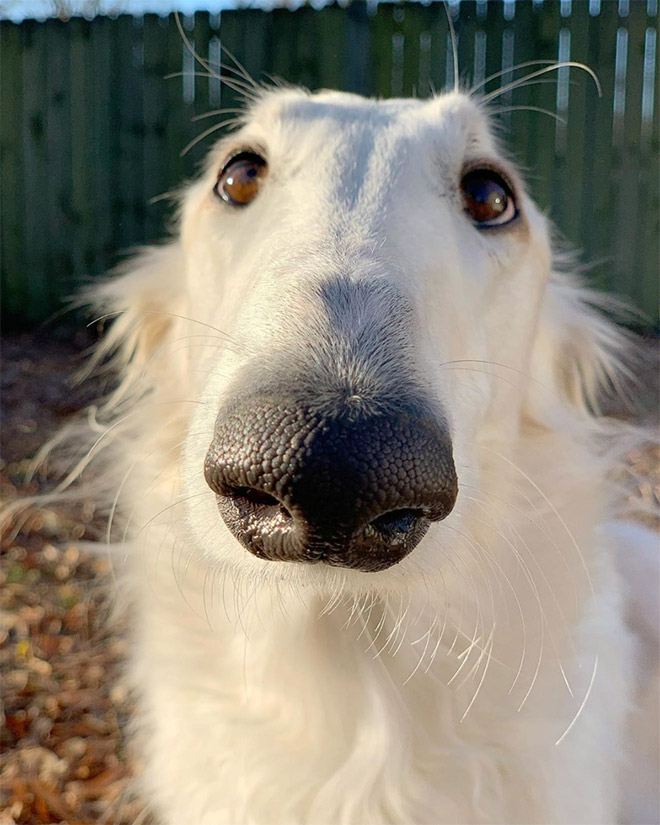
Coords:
257,709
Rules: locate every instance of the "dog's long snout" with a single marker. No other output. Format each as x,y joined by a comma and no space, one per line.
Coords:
351,490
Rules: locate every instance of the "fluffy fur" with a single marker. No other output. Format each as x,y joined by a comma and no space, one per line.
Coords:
489,676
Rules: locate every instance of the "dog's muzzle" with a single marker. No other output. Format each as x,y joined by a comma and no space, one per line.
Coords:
351,489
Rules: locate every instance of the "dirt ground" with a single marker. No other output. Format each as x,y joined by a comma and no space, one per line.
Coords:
64,755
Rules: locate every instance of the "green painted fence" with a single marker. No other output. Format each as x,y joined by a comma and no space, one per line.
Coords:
91,131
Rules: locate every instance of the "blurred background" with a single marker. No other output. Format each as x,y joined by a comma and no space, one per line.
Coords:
103,114
97,114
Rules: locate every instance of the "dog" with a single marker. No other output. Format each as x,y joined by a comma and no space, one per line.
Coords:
365,500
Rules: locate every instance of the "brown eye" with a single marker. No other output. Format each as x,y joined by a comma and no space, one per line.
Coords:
240,180
487,198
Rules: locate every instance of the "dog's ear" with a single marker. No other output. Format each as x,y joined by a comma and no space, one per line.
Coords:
579,356
141,305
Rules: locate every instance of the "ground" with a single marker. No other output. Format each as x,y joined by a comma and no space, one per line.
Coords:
64,755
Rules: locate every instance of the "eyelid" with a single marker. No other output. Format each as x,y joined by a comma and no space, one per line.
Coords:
247,151
492,166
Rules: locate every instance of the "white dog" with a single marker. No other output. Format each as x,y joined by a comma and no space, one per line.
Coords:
366,491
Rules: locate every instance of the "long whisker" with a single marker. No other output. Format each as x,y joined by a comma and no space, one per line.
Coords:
230,82
454,46
222,125
582,705
509,70
169,507
246,89
190,47
156,312
250,89
563,65
222,341
493,561
542,527
214,112
487,652
240,69
557,117
553,510
545,581
85,460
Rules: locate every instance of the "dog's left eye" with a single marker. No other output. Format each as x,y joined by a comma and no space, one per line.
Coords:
487,198
241,178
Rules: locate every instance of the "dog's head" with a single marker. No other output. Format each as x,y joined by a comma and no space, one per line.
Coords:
378,281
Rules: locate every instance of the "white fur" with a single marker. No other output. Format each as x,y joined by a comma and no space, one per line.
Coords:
487,677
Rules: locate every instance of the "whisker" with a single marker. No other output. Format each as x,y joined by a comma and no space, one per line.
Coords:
240,69
189,46
79,468
454,47
521,108
554,68
542,528
222,342
155,312
582,705
553,510
229,82
237,85
509,70
488,646
215,128
547,584
523,623
215,112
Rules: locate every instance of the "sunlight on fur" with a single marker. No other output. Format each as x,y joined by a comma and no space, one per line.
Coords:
486,677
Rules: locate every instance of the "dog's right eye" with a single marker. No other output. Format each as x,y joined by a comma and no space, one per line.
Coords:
241,178
487,198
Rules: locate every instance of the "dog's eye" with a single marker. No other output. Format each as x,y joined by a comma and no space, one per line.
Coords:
240,180
487,198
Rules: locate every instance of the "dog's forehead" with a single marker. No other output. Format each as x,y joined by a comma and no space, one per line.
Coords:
452,122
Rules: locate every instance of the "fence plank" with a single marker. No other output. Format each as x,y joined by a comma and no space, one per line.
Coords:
568,197
58,269
523,125
412,27
383,29
334,69
596,242
35,171
628,228
285,38
156,176
13,265
466,33
178,130
102,115
543,94
646,265
438,58
357,48
248,36
82,194
234,34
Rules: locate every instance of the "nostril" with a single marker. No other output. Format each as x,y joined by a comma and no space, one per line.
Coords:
252,495
390,536
397,521
255,498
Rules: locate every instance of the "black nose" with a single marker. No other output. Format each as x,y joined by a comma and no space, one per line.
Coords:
351,490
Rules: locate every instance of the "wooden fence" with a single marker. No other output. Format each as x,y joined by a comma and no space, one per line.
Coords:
91,131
